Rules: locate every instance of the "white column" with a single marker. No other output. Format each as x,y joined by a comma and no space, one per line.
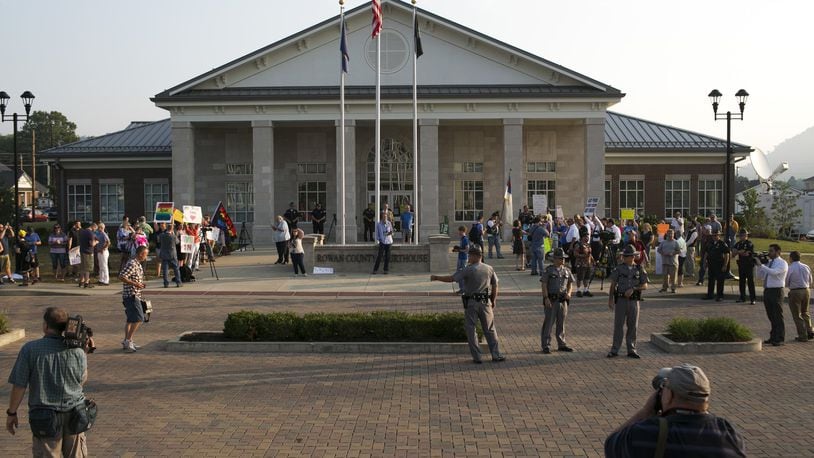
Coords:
263,180
595,161
513,160
183,163
428,218
351,228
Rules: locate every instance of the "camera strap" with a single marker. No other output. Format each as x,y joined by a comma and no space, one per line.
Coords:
661,443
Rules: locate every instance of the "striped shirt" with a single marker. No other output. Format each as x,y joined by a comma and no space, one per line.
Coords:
696,435
132,271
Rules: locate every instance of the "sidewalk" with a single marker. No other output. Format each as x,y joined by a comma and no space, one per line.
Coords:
254,273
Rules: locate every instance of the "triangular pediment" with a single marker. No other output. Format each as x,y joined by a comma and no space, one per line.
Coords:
453,55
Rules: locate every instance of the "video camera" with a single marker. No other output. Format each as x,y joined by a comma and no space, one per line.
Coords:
658,384
78,334
761,258
606,236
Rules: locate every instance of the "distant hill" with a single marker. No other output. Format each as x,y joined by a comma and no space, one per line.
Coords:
798,151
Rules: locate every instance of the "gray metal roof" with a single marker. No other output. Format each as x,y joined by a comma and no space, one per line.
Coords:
628,133
388,92
142,138
622,133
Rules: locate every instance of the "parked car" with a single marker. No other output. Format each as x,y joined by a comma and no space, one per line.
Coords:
53,214
36,216
810,235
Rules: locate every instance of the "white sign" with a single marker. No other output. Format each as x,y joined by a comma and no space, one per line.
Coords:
187,243
539,203
192,214
74,257
560,213
323,270
213,234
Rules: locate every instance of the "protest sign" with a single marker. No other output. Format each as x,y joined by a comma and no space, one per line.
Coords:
74,257
178,216
628,213
187,243
213,234
560,213
163,212
662,229
192,214
539,203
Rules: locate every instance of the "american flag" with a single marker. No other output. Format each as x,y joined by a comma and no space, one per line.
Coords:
377,18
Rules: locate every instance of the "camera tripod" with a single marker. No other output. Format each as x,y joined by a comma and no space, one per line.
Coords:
205,252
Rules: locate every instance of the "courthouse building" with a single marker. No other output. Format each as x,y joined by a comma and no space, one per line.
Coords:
263,130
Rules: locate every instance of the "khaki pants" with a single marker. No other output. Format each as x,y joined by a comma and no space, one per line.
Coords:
798,304
669,276
65,445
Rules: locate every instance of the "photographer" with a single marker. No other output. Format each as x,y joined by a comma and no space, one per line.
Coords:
55,373
675,421
773,272
384,235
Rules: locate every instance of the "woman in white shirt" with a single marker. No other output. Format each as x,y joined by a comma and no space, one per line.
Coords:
297,253
281,238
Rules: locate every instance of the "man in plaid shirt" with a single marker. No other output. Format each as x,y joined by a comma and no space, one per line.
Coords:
132,278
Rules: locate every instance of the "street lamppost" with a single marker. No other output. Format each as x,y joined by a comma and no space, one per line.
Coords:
28,99
715,96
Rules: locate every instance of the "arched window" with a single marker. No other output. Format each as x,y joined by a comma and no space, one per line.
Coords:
396,167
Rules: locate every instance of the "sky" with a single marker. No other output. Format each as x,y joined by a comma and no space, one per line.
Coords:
99,61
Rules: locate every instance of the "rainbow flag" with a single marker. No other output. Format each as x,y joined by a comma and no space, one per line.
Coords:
163,212
223,221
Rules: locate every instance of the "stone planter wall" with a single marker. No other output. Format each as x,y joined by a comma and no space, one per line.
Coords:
12,336
661,341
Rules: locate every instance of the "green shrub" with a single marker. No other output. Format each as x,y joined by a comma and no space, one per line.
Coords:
4,324
378,326
720,329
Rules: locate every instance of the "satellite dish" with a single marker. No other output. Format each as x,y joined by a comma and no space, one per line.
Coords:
764,172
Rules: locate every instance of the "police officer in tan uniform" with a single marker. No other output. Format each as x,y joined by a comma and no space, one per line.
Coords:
557,281
478,292
628,281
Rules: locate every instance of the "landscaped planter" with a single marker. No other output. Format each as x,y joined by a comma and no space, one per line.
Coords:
12,336
661,340
217,343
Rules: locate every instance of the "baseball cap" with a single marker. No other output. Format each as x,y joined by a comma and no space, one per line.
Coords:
688,381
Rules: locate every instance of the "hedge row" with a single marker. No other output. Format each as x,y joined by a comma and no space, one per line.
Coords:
4,324
380,326
708,330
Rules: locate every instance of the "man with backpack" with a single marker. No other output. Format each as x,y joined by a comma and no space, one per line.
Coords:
493,234
476,232
537,235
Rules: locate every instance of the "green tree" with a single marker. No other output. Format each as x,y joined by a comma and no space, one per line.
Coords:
6,205
785,212
51,128
754,216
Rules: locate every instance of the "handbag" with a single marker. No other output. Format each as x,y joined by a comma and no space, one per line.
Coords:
45,423
147,308
83,417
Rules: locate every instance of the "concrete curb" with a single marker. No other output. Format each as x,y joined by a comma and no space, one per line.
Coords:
439,348
661,341
12,336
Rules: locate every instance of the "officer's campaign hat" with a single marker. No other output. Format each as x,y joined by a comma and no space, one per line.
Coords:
474,249
559,254
743,232
629,251
716,231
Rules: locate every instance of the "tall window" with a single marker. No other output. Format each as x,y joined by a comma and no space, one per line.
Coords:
608,197
396,167
676,197
111,202
468,199
631,195
541,187
309,193
710,197
541,167
240,202
158,191
80,205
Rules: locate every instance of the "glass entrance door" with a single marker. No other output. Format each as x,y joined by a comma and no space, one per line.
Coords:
398,202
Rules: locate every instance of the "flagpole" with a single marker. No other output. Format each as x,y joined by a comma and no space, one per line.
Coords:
378,119
415,129
343,33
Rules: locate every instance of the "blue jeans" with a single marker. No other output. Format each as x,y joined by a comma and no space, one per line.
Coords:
460,266
494,241
165,267
537,260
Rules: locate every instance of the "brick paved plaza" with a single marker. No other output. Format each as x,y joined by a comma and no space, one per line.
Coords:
155,403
